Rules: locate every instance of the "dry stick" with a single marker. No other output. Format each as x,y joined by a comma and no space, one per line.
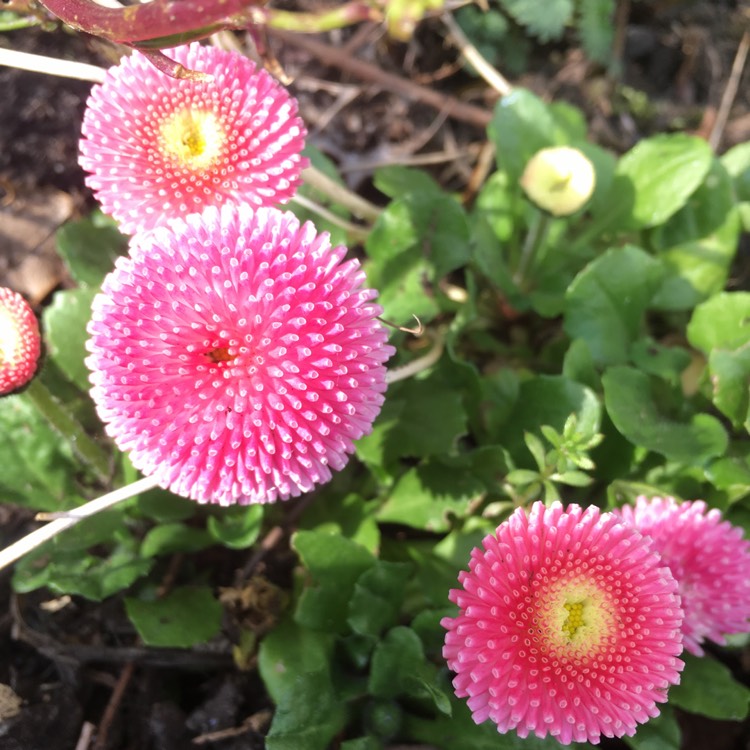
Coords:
114,704
340,194
36,538
51,66
84,739
330,56
473,56
730,92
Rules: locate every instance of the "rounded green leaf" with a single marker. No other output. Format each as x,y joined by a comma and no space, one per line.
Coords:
664,171
631,406
185,617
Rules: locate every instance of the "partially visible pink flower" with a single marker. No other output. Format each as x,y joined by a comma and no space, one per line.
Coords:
20,342
708,557
568,625
236,355
159,147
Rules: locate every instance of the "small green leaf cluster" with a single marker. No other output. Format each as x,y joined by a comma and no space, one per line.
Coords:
501,31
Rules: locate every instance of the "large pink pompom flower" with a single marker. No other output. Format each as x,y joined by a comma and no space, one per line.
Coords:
236,356
159,147
568,625
708,557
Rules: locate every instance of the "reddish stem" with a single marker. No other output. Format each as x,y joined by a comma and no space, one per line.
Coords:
187,19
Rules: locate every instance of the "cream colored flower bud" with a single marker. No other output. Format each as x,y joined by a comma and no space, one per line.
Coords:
559,180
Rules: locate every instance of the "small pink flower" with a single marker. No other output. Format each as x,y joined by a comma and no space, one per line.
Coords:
160,147
708,557
568,625
20,342
236,355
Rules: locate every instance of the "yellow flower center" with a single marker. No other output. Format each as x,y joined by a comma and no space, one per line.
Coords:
192,138
574,620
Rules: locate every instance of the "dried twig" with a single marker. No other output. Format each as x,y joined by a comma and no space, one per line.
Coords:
338,58
51,65
730,92
113,706
475,58
36,538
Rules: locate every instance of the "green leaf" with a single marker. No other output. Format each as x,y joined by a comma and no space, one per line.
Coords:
698,244
38,467
545,19
664,171
418,238
550,400
399,667
237,528
335,564
425,497
737,163
522,124
164,507
596,28
666,362
90,247
720,328
295,665
396,181
708,688
66,571
630,403
377,597
605,304
661,733
169,538
419,418
65,323
352,517
185,617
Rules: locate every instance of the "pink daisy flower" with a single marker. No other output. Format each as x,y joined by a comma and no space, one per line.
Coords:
568,625
708,557
236,355
159,147
20,342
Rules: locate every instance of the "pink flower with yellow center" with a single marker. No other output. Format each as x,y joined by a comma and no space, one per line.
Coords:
708,557
568,625
20,342
159,147
236,355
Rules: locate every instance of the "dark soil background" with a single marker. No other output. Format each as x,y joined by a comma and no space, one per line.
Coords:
76,665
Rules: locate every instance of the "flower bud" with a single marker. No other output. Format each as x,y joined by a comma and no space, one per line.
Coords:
559,180
20,343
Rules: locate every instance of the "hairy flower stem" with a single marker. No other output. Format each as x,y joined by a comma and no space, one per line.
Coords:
534,240
167,23
61,420
70,518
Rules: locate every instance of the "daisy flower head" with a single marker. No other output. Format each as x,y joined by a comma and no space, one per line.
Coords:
709,559
158,147
20,342
236,356
568,625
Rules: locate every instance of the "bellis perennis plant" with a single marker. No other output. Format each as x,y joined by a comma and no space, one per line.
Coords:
568,625
236,356
158,147
709,559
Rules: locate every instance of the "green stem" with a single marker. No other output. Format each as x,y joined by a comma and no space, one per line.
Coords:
71,429
534,240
